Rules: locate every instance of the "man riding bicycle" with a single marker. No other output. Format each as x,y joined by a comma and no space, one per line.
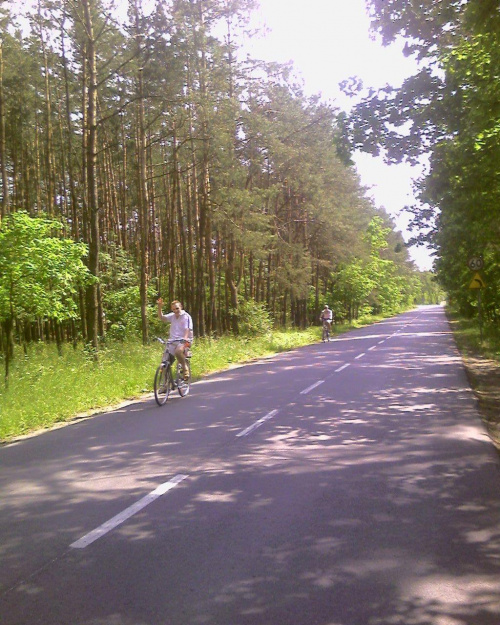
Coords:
181,332
326,319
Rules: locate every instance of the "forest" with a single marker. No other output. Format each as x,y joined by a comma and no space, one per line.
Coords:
142,154
446,116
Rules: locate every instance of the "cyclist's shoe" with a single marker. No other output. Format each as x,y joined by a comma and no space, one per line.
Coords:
186,376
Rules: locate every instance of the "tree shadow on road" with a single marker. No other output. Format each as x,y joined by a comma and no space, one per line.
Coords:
373,505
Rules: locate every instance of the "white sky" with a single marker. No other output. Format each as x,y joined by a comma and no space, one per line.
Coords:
329,41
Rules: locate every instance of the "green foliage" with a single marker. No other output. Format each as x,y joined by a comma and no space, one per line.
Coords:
253,318
429,290
64,385
449,113
39,272
471,339
217,179
373,284
353,288
123,312
121,297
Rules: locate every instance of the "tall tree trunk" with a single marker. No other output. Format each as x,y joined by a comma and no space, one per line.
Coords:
91,161
4,208
49,149
152,185
75,233
123,187
143,187
200,218
190,246
8,345
233,287
211,316
37,168
182,259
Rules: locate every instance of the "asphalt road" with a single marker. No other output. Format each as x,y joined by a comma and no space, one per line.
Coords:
348,483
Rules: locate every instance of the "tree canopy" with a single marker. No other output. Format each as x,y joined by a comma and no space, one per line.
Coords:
185,170
449,113
40,273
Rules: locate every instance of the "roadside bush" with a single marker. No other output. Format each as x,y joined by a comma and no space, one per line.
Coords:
253,318
123,312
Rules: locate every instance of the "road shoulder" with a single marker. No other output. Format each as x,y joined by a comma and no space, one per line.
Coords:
484,377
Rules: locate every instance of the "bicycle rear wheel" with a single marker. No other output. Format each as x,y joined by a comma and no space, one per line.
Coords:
163,383
183,382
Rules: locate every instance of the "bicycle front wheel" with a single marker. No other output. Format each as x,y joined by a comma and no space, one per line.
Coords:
183,382
163,384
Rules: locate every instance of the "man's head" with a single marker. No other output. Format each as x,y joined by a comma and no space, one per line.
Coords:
176,307
326,307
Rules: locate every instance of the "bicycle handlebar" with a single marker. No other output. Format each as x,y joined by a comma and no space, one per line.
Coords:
171,341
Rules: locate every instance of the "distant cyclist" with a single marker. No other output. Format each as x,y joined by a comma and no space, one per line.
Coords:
326,319
181,332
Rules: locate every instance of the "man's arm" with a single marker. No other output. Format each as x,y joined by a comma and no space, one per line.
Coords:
189,327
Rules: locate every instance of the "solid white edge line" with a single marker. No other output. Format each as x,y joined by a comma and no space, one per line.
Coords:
257,423
127,513
310,388
348,364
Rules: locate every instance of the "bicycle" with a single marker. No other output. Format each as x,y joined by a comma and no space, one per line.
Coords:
326,331
165,382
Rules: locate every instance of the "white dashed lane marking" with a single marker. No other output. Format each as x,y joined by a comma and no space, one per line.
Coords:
310,388
117,520
257,424
103,529
348,364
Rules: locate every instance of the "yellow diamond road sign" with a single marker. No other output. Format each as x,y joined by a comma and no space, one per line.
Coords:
477,282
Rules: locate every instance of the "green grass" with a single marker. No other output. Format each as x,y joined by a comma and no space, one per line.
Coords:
468,336
45,388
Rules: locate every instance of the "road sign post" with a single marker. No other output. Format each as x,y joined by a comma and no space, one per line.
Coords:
475,263
480,315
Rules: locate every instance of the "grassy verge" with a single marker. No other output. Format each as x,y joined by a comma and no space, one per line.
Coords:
481,358
46,388
468,336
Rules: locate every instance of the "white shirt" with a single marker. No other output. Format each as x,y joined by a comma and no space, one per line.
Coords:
178,325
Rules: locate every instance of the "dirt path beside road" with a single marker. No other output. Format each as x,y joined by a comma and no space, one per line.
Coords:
484,378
